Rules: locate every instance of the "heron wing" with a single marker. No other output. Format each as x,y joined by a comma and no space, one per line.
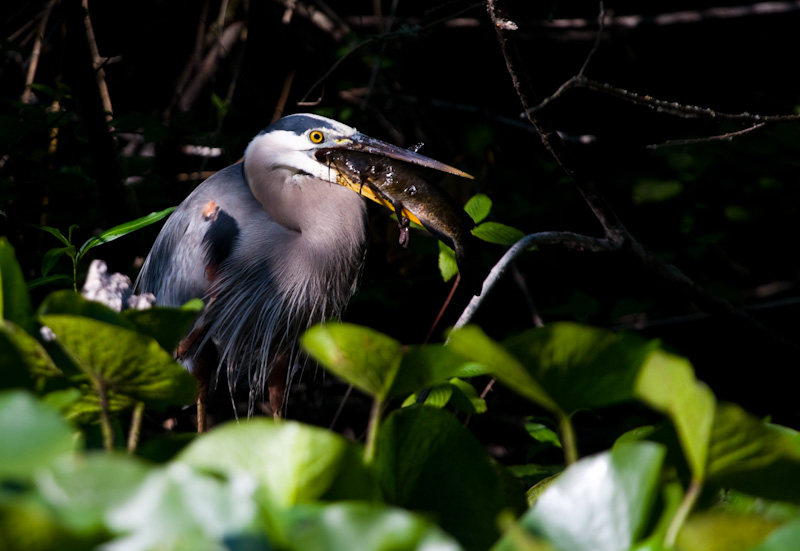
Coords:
196,239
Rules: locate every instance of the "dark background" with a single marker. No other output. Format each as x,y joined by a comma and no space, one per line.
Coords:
723,211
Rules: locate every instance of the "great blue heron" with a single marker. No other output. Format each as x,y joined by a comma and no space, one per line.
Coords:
272,245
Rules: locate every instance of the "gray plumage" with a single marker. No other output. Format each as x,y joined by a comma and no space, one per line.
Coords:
272,245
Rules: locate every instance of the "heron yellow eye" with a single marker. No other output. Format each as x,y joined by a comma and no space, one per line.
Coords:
316,136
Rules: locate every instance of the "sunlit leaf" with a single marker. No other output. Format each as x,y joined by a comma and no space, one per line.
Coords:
751,456
472,343
294,463
81,490
32,435
582,367
125,365
495,232
178,509
601,503
725,530
365,358
447,262
346,526
478,207
667,383
123,229
423,366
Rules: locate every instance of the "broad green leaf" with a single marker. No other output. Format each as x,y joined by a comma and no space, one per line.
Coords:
166,325
749,455
15,304
82,489
582,367
724,531
69,302
294,463
478,207
438,396
22,358
423,366
351,526
32,435
602,502
363,357
472,343
52,256
465,397
128,366
784,538
123,229
447,262
667,383
178,509
425,460
28,524
495,232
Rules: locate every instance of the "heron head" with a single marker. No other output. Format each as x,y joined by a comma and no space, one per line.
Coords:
298,144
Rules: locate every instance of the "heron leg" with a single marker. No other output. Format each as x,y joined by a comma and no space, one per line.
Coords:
277,382
203,365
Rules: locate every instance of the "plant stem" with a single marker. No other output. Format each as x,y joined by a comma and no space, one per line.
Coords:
568,442
372,429
689,498
105,418
136,427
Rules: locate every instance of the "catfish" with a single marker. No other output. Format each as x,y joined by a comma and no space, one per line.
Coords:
399,186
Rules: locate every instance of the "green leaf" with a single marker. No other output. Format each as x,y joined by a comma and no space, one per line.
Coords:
345,526
478,207
667,383
425,460
601,503
32,435
292,462
55,232
542,433
365,358
123,229
784,538
81,490
15,304
472,343
40,281
23,357
725,531
495,232
751,456
582,367
168,326
437,397
52,256
447,262
465,398
125,365
69,302
423,366
179,509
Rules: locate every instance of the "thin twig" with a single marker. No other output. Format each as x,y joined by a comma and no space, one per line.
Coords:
27,94
136,427
98,63
600,25
728,136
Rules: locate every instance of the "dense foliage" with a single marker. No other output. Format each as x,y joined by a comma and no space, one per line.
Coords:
599,399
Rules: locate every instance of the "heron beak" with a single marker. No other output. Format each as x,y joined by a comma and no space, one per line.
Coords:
365,144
